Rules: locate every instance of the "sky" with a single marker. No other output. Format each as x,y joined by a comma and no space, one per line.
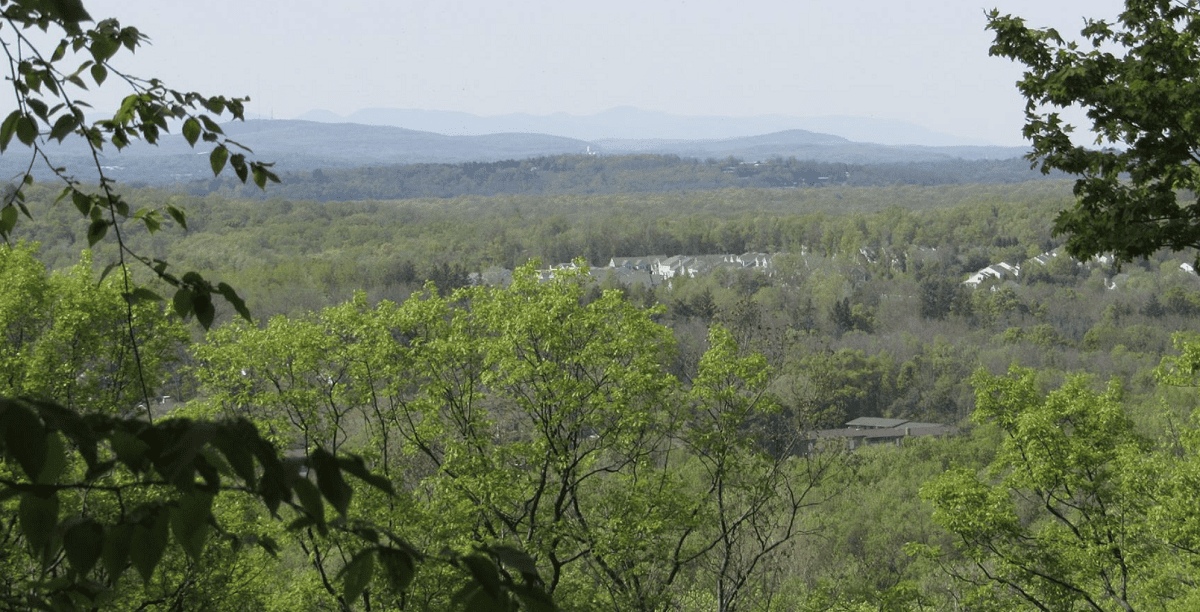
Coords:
922,61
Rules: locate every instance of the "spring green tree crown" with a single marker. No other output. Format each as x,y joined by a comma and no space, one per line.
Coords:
89,491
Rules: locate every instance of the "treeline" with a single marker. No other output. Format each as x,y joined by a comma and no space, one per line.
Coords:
348,245
593,174
863,314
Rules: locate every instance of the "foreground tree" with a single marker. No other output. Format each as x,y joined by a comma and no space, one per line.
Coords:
1136,78
1077,512
538,417
755,487
47,85
86,493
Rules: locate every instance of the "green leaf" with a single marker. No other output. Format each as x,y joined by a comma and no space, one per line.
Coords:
33,80
210,125
177,215
203,307
98,469
398,566
215,104
234,300
8,128
120,139
218,158
125,113
148,542
473,598
38,516
356,575
236,453
189,522
129,449
104,47
310,500
142,294
69,11
96,231
150,133
516,559
534,598
330,481
24,438
304,521
130,37
485,573
63,127
151,222
120,205
183,302
8,219
27,131
99,73
108,270
82,202
115,553
238,161
191,131
355,465
39,108
260,177
55,459
83,543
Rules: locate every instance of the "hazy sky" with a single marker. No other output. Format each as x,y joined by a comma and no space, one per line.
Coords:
924,61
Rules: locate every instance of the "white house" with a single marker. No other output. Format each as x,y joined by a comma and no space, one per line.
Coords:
1000,271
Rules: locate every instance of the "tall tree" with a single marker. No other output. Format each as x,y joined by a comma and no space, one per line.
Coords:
1136,78
1070,515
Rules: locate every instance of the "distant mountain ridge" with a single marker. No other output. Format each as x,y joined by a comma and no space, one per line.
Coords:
296,145
628,123
342,144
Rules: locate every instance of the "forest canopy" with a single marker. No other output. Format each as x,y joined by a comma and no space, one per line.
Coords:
420,416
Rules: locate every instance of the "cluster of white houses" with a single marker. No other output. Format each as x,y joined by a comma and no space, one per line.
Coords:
1006,271
653,270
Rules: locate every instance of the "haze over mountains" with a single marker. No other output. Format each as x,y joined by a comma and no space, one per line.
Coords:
628,123
375,137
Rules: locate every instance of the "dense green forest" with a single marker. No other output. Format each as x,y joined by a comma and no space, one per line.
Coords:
605,174
443,387
371,400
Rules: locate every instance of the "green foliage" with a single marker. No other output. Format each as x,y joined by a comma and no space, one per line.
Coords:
46,87
151,487
1071,513
756,488
1135,79
87,490
607,174
536,417
67,337
143,482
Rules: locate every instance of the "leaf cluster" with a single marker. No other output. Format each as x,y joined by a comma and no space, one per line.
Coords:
191,464
47,88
